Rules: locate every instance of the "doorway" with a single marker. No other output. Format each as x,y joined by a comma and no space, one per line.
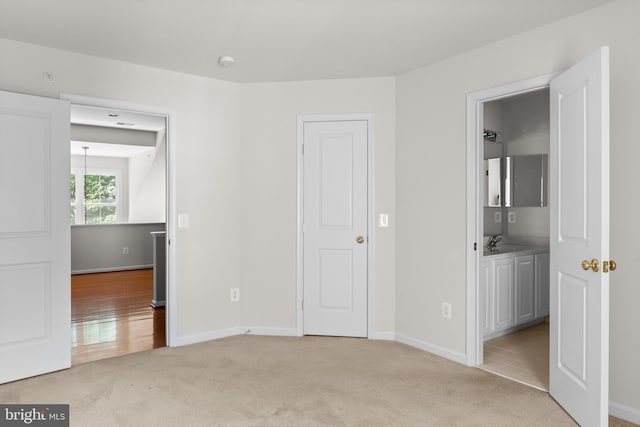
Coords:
579,231
514,279
121,287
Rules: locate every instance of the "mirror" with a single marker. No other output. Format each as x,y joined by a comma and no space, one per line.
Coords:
517,181
493,186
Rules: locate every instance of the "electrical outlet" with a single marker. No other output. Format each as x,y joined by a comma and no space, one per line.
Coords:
234,294
446,310
497,217
125,251
512,217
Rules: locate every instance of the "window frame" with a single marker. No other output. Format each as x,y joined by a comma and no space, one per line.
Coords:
80,199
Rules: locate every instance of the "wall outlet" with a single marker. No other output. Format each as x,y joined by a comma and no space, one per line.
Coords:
512,217
446,310
234,294
497,217
125,251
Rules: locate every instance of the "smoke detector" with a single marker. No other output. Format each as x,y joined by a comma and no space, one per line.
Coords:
226,61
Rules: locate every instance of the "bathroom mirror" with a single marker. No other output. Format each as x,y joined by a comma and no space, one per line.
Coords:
516,181
493,185
526,181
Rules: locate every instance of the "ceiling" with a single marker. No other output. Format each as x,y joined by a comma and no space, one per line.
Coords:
111,118
278,40
106,117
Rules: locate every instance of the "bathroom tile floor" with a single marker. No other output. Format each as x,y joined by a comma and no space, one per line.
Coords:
522,356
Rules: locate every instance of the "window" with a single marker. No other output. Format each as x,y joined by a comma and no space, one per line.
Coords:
95,196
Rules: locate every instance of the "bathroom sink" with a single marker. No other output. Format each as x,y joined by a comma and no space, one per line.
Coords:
505,249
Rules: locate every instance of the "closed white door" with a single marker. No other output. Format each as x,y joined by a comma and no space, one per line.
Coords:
334,228
35,291
579,318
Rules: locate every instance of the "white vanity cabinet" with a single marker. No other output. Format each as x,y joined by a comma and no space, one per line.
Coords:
524,288
542,285
514,291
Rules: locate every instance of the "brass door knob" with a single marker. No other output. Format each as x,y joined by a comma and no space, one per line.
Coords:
360,239
609,266
590,265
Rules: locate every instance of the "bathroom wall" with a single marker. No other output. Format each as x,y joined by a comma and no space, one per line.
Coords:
493,120
526,131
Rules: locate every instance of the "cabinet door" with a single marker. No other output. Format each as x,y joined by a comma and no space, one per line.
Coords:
503,294
486,297
525,289
542,285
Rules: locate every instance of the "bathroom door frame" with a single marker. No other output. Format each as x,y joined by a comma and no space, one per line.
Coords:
474,212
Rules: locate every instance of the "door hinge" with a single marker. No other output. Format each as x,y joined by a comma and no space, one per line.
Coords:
475,246
169,242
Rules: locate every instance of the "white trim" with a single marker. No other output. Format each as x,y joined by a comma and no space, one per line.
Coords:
230,332
171,217
383,336
80,201
109,269
208,336
434,349
369,118
273,332
474,107
623,412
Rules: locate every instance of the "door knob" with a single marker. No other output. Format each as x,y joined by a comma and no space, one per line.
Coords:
609,266
360,239
590,265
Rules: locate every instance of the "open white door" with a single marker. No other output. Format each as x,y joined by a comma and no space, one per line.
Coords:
579,346
35,293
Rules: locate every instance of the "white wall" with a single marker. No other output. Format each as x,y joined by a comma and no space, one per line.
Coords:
493,120
207,149
526,131
268,179
432,235
147,184
235,168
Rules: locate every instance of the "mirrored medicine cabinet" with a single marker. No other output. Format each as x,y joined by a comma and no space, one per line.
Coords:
517,181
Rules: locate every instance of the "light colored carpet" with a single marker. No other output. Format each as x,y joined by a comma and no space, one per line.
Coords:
287,381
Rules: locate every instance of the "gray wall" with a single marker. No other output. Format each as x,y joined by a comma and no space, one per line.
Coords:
99,247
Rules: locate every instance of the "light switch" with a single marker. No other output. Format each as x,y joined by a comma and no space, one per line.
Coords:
183,221
383,220
512,217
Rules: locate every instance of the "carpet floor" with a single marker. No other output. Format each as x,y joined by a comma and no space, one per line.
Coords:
287,381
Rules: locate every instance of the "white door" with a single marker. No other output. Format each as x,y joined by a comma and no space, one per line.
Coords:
335,228
579,346
35,292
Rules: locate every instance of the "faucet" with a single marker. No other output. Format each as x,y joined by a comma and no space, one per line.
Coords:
491,244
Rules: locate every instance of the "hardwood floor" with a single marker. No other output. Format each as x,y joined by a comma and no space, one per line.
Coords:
111,315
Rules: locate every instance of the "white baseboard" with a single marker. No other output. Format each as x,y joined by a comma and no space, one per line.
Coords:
384,336
241,330
109,269
624,412
208,336
274,332
438,351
